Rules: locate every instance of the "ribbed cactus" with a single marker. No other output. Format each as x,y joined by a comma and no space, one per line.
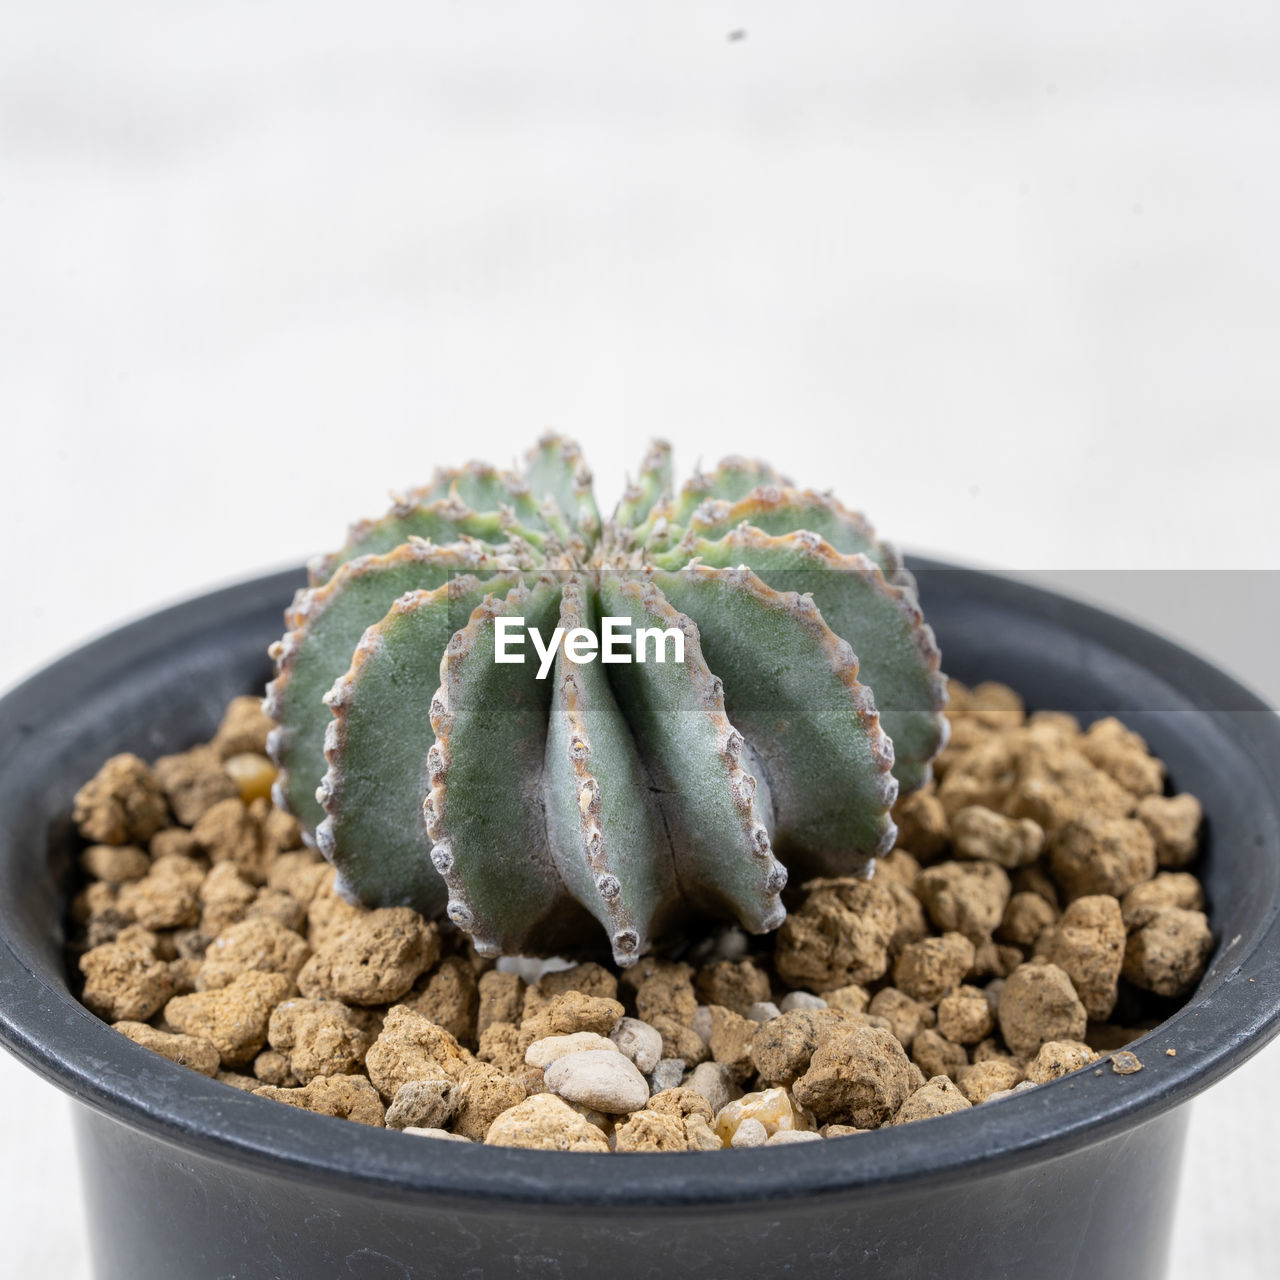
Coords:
629,795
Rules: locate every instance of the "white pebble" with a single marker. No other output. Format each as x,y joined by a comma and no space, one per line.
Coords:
732,944
638,1041
442,1134
750,1133
602,1079
713,1081
542,1053
667,1074
530,968
785,1136
773,1108
763,1011
801,1000
703,1023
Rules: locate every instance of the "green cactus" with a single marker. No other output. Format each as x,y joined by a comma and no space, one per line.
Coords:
633,795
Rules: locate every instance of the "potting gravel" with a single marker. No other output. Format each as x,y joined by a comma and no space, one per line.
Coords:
1035,916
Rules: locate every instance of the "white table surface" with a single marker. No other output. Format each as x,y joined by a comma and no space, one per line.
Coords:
1006,277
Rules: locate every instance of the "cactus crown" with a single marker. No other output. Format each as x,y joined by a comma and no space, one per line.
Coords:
629,795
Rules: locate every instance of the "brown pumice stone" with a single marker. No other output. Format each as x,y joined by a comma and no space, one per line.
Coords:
233,1018
980,1080
840,934
168,896
936,1097
985,956
860,1076
262,945
123,979
965,897
935,1055
1025,918
374,961
123,803
1174,823
985,835
318,1037
186,1051
928,969
194,781
347,1097
1038,1004
1097,855
1168,953
1057,1058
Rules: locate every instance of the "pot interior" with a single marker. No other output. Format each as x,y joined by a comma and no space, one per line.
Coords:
161,684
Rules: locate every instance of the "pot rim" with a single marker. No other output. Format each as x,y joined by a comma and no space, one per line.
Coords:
1233,1013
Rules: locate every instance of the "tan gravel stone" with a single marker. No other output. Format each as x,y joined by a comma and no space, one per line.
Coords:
965,897
261,945
839,935
545,1122
186,1051
928,969
194,782
986,835
319,1037
938,1097
412,1048
965,1015
860,1076
1168,954
347,1097
1088,945
233,1018
935,1055
1174,823
1039,1004
480,1096
375,960
1099,855
1058,1058
121,804
979,1081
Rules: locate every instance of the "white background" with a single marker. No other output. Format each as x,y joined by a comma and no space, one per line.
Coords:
1005,276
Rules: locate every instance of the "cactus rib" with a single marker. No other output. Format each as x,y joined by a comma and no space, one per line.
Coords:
325,624
732,479
377,748
490,722
795,696
716,819
896,650
555,466
443,521
653,486
605,831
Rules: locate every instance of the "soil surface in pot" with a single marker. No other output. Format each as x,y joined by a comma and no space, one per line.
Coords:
1037,915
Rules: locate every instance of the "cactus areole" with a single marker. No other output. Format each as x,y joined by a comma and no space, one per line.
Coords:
452,736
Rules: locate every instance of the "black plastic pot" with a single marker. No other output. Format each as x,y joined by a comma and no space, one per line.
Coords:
186,1178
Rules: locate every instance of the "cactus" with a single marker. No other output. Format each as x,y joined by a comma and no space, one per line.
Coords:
631,795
